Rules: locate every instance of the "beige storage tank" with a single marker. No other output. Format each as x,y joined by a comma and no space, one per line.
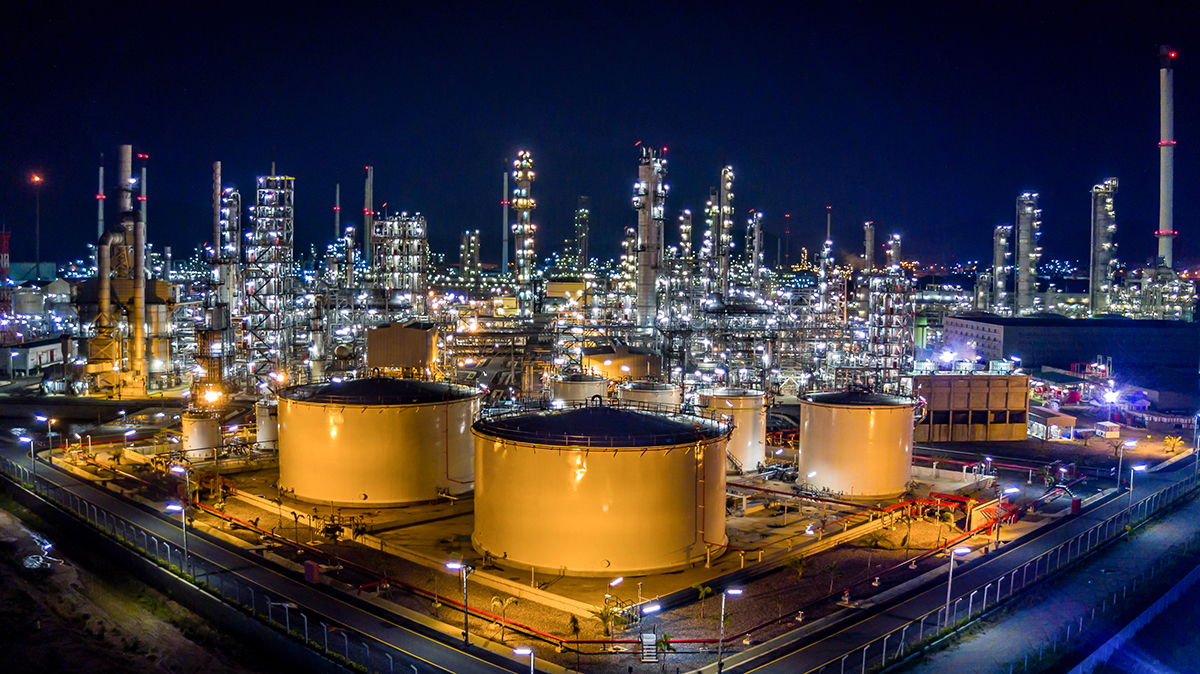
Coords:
857,443
266,425
201,435
597,491
376,441
651,393
578,388
748,411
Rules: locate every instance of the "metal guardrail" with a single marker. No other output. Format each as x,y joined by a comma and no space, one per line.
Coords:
878,653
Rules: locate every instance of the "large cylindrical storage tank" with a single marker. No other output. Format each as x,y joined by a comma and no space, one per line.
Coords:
377,441
266,425
28,302
651,393
201,435
578,388
747,410
857,443
597,491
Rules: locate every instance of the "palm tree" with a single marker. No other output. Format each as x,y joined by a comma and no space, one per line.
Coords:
834,574
797,564
1172,443
502,605
704,592
664,646
608,617
574,630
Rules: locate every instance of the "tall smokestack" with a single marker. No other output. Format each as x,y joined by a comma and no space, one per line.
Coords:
142,196
125,180
1166,157
100,201
504,201
217,252
369,216
337,211
868,245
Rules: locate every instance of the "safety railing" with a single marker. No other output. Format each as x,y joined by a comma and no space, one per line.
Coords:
917,632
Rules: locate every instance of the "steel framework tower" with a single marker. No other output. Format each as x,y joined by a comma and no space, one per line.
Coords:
1166,158
401,255
893,251
468,259
1104,225
268,276
754,241
649,200
1000,266
1029,223
524,230
583,216
685,234
725,232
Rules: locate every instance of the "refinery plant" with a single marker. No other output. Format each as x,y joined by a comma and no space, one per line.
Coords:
566,417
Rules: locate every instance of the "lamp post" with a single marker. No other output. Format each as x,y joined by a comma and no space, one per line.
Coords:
950,581
523,652
32,462
127,434
1121,459
187,499
11,376
1000,515
182,510
1132,472
463,570
735,591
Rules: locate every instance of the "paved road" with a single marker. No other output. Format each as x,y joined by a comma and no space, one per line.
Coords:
412,649
852,635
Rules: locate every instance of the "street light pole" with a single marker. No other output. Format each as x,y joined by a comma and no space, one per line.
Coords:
950,581
1133,470
526,651
187,499
464,570
37,227
721,641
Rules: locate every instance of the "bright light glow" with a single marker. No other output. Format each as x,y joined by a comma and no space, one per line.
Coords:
40,418
734,591
1131,443
178,469
130,432
1111,396
175,507
212,396
1011,490
454,566
962,551
651,609
813,474
523,651
617,581
25,439
1140,467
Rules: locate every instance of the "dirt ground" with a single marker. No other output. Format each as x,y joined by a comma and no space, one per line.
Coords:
82,614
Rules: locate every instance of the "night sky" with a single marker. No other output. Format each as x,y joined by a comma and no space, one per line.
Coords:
927,121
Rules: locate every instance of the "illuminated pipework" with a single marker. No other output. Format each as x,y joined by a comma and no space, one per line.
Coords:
1000,267
400,245
725,237
893,251
469,267
649,200
229,250
1029,223
583,216
754,236
524,230
268,276
1104,226
685,234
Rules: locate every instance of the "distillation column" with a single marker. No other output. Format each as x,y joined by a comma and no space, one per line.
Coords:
868,246
1000,266
1104,225
725,231
524,230
583,216
893,251
1166,158
649,200
1029,225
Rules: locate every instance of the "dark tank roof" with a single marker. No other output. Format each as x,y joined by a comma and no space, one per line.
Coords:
642,385
380,391
601,427
579,376
864,398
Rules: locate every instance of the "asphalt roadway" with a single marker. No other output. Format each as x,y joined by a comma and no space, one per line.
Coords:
850,636
412,651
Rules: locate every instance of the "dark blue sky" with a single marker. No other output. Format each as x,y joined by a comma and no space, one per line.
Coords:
927,121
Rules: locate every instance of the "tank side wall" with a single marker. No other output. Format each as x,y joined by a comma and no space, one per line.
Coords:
862,452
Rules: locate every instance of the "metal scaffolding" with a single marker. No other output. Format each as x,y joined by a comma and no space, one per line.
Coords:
400,245
1104,226
269,276
524,230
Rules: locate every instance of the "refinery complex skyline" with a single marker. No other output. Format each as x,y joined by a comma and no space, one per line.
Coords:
934,146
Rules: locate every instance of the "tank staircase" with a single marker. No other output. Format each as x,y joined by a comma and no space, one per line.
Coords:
649,647
735,463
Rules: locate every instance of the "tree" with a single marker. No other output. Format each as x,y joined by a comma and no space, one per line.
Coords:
574,630
704,592
1116,444
797,564
1086,439
501,605
664,645
1172,443
834,573
609,618
875,539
